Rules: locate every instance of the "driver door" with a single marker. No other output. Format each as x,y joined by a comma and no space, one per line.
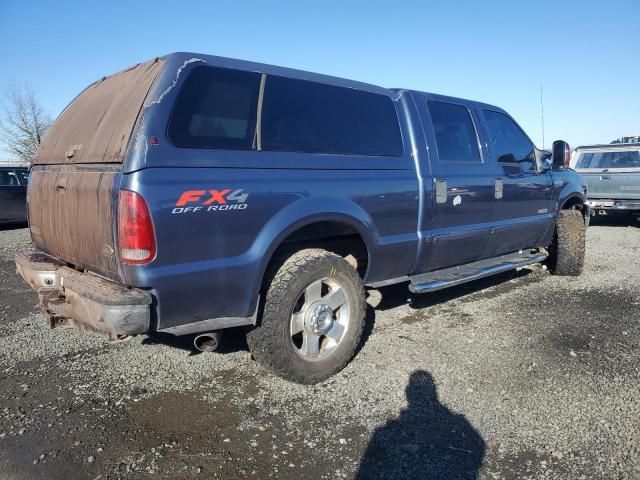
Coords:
522,207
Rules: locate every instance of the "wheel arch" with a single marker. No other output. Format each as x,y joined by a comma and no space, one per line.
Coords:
303,216
571,202
578,202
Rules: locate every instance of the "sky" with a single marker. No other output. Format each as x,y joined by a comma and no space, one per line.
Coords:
584,53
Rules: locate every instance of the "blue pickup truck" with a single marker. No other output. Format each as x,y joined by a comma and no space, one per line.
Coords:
194,193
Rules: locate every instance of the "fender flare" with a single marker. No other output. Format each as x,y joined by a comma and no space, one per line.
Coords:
581,198
570,197
306,212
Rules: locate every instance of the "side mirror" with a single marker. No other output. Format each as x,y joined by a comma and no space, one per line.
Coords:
560,154
543,159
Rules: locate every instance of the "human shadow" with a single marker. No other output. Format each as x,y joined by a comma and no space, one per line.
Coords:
427,440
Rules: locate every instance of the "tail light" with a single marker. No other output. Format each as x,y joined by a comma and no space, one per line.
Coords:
136,238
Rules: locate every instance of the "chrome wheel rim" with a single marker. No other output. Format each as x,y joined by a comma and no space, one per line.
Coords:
320,319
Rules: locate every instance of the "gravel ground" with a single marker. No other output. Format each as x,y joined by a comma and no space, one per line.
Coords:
523,375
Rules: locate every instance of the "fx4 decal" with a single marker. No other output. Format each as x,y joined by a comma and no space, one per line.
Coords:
192,201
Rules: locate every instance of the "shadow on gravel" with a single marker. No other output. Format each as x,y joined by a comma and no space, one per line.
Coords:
393,296
427,440
615,220
233,340
13,226
397,295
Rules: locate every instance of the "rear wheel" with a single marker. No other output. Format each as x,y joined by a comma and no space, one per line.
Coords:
312,318
566,253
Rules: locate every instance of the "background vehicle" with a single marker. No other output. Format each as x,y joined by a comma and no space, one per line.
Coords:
628,139
612,173
13,194
227,193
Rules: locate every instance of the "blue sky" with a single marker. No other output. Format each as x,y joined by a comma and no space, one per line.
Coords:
584,53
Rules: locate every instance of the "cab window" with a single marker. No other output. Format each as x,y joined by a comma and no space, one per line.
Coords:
602,160
509,143
456,137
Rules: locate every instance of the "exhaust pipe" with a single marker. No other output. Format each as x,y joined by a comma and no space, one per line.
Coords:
207,342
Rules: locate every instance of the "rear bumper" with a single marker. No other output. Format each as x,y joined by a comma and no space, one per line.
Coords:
84,299
611,204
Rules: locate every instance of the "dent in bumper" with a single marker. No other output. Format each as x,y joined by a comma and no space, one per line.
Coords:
83,298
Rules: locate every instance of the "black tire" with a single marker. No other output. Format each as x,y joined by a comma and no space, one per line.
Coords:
271,341
566,253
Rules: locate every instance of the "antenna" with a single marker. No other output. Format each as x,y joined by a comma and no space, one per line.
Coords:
542,114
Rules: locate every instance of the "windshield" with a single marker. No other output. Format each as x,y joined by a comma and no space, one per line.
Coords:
628,159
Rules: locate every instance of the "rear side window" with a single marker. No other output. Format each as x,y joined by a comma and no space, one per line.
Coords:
216,108
302,116
455,134
609,160
510,144
8,179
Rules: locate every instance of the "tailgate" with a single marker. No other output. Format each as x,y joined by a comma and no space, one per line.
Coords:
613,184
72,214
74,180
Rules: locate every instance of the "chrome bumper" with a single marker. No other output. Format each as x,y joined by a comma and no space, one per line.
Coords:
84,300
605,204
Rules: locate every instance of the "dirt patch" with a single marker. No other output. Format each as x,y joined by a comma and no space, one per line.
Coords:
598,328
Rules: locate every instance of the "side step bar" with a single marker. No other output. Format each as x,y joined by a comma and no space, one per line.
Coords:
449,277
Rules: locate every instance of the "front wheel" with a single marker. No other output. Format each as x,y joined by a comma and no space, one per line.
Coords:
312,319
566,253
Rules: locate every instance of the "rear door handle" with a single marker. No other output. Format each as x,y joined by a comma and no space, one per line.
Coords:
498,190
441,191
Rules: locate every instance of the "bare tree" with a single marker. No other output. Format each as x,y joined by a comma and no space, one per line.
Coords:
24,122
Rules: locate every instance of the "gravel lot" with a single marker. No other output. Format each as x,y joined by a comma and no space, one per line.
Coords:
524,375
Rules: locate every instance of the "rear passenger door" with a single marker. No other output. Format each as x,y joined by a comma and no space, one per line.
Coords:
522,193
462,191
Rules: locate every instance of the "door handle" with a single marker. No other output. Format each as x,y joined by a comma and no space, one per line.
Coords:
61,185
498,189
605,177
441,191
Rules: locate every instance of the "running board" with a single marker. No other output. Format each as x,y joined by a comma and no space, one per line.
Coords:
449,277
